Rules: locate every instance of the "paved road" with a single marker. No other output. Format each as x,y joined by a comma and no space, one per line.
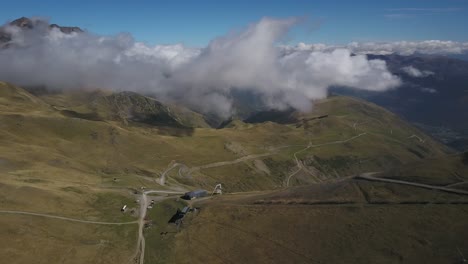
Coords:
367,176
67,218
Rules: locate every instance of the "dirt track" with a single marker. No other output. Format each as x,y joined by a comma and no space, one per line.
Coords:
367,176
67,218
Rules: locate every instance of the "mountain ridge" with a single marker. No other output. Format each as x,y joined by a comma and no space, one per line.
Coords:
25,23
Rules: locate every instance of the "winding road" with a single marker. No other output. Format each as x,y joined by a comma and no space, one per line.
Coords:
162,180
301,166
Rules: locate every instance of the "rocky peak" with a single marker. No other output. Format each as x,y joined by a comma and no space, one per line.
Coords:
28,23
23,22
66,30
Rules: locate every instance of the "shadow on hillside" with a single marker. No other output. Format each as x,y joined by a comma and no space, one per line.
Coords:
277,116
175,131
87,116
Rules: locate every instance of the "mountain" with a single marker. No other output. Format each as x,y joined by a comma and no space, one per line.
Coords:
133,107
25,23
83,155
124,132
434,97
335,120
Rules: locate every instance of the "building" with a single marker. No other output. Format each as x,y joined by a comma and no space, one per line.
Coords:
218,189
178,217
194,194
185,210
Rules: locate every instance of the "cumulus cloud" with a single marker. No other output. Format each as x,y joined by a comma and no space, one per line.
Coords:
428,90
202,78
429,47
414,72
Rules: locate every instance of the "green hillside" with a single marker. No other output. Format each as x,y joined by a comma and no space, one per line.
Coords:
354,137
84,155
449,170
124,107
351,221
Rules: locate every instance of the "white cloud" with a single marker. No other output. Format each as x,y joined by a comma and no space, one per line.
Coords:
174,55
398,15
428,90
414,72
248,59
416,9
384,48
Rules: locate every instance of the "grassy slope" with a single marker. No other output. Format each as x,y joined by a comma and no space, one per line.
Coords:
387,143
328,223
454,168
30,239
123,106
109,149
160,247
61,165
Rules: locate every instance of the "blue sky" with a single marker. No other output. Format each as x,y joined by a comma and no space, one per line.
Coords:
195,23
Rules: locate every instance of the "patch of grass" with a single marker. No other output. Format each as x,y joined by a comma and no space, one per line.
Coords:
159,248
465,158
73,189
59,241
34,181
328,223
337,162
437,171
107,206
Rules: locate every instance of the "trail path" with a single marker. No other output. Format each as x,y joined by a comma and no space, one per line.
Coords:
224,163
367,176
67,218
162,180
299,163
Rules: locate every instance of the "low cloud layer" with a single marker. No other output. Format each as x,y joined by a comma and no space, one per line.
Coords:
248,59
416,73
428,90
429,47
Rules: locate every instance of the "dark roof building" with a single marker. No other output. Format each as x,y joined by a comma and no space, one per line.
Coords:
195,194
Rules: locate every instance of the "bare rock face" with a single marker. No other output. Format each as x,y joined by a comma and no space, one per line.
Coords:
4,37
66,30
23,22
